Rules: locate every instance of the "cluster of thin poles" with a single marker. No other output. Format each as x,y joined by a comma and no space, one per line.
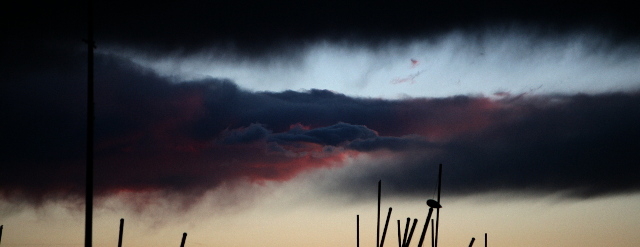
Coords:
184,235
405,240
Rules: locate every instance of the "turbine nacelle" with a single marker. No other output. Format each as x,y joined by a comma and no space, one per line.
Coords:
433,203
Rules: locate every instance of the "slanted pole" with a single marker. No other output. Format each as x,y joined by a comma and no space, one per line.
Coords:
184,238
424,229
399,237
378,228
406,232
438,209
413,228
120,234
384,233
471,244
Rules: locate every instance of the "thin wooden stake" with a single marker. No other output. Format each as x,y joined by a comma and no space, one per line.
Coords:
406,232
378,228
424,229
184,238
433,243
413,228
384,233
438,209
120,234
399,237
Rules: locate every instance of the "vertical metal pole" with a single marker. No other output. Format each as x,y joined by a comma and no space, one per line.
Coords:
386,224
184,238
413,228
471,244
433,243
424,229
438,209
120,234
378,228
399,237
358,230
1,233
90,125
485,240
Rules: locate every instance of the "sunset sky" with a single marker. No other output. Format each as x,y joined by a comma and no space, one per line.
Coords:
270,123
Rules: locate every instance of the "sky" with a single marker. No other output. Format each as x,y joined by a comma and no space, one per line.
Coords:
246,123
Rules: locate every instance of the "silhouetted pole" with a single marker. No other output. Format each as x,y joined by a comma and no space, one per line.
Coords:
438,209
184,238
90,125
426,225
433,243
413,228
120,234
358,230
471,244
378,229
406,232
399,237
485,240
384,233
1,233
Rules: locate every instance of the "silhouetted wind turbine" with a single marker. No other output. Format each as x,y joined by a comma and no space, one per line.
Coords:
433,204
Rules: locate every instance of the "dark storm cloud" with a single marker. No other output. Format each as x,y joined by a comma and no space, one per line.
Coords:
255,28
154,134
331,135
194,24
581,145
252,133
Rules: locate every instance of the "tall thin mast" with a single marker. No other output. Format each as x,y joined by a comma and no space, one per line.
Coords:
90,125
438,209
358,230
378,228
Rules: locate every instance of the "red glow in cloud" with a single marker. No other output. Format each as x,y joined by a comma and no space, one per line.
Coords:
312,157
191,166
299,126
445,118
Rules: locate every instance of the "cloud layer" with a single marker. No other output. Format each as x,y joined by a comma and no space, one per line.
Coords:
157,135
155,132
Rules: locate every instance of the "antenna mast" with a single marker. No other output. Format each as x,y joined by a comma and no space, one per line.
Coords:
90,128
